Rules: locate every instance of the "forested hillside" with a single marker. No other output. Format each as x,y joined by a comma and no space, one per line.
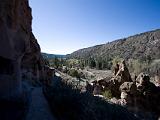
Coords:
141,46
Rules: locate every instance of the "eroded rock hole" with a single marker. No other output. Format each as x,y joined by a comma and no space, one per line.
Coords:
6,66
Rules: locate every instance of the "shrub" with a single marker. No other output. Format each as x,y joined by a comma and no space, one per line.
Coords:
74,73
72,63
154,67
136,66
116,60
107,94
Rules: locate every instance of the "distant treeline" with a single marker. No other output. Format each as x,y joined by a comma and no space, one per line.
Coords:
149,65
49,56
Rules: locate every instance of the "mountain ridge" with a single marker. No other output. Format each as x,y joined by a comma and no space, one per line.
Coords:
136,46
49,56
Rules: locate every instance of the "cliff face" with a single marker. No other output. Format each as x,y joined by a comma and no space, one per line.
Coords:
19,50
15,28
136,47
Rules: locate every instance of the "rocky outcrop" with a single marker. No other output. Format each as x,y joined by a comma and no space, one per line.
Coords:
19,50
140,96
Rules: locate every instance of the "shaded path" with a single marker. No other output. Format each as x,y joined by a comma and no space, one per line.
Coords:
39,109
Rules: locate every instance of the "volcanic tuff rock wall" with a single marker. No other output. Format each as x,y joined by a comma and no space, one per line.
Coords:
19,49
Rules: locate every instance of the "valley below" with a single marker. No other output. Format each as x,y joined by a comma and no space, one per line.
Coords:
119,80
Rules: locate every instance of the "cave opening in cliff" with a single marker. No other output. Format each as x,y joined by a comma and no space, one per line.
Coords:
6,66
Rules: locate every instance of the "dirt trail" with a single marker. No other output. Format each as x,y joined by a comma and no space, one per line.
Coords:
39,108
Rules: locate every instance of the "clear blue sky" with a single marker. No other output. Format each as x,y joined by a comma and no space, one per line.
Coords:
63,26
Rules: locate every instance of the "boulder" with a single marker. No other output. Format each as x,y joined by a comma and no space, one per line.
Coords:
122,75
128,87
123,72
157,80
128,92
114,85
97,89
149,94
88,87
